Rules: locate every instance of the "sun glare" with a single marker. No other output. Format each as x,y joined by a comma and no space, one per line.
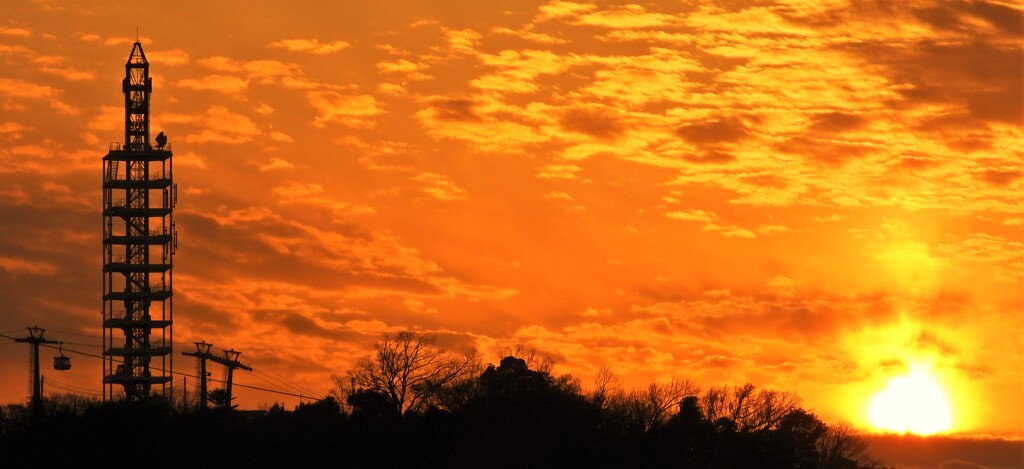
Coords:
914,403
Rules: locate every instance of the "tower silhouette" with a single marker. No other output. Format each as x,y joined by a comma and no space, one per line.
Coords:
139,240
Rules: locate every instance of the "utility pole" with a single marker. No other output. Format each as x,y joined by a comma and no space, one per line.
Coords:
202,353
230,361
35,337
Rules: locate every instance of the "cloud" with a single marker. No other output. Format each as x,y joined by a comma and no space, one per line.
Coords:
312,194
16,50
227,84
559,171
46,157
731,231
170,58
107,118
265,71
455,109
217,124
773,229
724,130
410,70
13,90
462,41
832,151
276,163
295,190
838,122
311,46
59,66
539,38
462,118
439,187
345,109
693,215
15,31
12,130
558,9
281,137
626,17
392,89
20,266
518,71
364,263
118,41
221,63
189,159
999,254
596,122
264,109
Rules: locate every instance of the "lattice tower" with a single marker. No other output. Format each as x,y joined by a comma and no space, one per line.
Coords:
139,241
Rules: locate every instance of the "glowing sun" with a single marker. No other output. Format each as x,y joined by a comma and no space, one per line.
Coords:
913,403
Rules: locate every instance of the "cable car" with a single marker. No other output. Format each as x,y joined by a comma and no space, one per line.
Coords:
62,362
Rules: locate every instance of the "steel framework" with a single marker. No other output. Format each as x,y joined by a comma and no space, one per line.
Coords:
139,240
35,338
230,362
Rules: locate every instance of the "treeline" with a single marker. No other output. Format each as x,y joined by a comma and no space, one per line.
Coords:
413,404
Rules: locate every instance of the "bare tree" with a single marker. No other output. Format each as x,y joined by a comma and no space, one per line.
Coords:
839,444
606,384
410,371
543,363
750,409
535,361
646,407
663,399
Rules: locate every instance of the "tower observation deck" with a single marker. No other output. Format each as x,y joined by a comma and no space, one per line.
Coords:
139,240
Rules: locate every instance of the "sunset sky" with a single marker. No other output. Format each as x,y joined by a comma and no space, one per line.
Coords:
812,196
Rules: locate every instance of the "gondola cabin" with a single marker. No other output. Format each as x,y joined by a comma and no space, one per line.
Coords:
61,362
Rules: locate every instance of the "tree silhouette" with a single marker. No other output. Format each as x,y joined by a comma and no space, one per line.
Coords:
839,447
639,410
219,398
409,371
524,418
750,409
507,415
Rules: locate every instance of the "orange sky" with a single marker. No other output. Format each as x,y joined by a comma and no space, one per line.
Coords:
813,196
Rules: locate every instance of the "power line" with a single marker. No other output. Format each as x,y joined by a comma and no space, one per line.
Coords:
84,345
257,388
78,334
284,378
72,389
283,382
12,330
61,341
265,380
50,381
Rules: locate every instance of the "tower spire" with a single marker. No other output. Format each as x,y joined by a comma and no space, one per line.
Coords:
137,86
